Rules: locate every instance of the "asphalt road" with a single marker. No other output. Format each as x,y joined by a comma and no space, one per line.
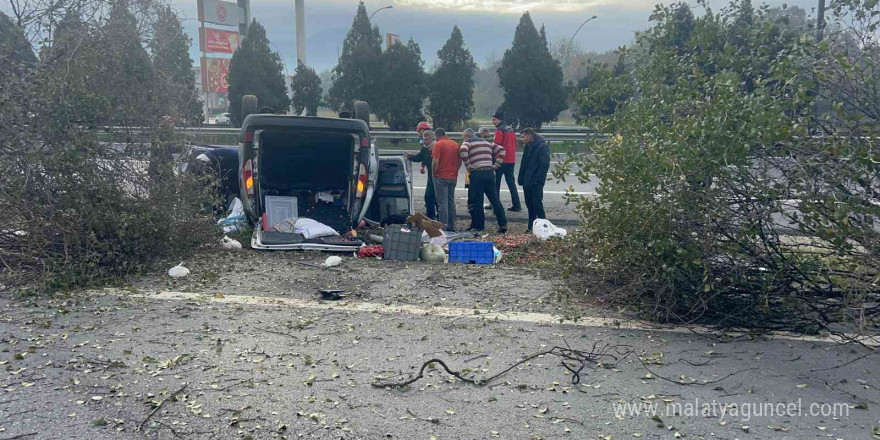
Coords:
243,349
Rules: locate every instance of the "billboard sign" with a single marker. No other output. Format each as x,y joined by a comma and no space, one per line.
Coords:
216,40
214,71
219,12
391,40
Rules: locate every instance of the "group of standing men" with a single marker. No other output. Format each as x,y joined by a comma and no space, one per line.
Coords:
487,162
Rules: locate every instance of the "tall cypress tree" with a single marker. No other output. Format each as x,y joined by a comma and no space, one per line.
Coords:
256,70
305,90
452,84
15,51
402,86
531,78
169,48
356,75
127,79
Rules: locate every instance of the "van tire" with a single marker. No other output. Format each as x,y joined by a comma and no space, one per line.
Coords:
362,111
249,106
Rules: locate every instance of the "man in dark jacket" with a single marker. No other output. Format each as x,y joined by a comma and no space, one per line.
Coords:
533,173
506,137
424,156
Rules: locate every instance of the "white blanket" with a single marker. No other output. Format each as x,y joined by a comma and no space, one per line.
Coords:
309,228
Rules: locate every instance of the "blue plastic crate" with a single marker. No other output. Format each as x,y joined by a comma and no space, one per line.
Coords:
471,252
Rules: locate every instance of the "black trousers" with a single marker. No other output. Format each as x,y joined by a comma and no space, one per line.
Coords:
534,195
483,185
506,171
430,200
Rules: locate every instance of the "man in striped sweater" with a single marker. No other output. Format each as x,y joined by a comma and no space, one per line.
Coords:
477,155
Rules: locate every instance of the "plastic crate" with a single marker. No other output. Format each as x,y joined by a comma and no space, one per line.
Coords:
402,242
471,252
278,209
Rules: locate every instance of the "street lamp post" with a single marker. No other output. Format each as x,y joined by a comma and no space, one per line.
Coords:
579,29
377,10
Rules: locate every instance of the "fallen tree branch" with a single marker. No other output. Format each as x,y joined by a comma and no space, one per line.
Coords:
582,359
159,406
679,382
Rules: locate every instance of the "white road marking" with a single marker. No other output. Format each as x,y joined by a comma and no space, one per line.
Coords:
454,312
587,193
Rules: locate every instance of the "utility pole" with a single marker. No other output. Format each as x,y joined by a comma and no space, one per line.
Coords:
300,31
820,22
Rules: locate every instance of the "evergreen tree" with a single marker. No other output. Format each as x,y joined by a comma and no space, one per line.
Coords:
305,90
256,70
69,82
356,75
403,86
169,48
127,79
15,51
452,84
531,79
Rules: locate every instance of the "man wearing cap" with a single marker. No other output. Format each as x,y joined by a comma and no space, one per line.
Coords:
426,142
506,137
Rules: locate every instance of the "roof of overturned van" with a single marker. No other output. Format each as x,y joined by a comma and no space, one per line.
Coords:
262,121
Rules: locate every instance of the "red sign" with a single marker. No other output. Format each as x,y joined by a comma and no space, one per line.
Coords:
215,40
214,71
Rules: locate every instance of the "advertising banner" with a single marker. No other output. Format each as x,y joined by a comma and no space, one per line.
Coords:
218,41
214,72
219,12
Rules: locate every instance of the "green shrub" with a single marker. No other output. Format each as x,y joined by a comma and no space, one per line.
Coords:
715,203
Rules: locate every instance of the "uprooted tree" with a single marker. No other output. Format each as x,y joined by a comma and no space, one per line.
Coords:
76,202
727,194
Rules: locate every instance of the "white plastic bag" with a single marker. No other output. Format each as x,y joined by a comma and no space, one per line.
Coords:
497,254
543,229
178,271
332,261
309,228
230,243
234,221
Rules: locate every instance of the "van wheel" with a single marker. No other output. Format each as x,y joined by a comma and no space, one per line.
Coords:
362,111
248,106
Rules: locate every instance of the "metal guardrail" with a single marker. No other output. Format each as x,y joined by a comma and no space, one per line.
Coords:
551,136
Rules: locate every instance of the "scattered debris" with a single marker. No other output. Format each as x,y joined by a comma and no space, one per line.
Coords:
331,295
178,271
230,243
332,261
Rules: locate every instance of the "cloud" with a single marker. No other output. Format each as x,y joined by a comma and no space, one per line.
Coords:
519,6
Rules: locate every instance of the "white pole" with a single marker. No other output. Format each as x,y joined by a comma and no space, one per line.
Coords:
300,31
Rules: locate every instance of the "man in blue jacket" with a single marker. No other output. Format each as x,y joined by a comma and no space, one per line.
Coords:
533,173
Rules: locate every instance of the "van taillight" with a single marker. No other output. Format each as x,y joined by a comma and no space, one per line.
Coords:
248,136
362,181
247,177
365,142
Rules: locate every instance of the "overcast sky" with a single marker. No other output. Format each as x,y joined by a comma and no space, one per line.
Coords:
487,25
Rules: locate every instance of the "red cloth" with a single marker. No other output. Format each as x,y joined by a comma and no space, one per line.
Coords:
371,251
446,151
506,137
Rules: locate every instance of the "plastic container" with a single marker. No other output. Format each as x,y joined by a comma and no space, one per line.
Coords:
471,252
402,243
278,209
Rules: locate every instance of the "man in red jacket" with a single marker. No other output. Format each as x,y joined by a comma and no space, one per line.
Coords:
506,137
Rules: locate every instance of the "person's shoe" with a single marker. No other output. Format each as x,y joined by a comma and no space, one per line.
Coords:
514,209
502,230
